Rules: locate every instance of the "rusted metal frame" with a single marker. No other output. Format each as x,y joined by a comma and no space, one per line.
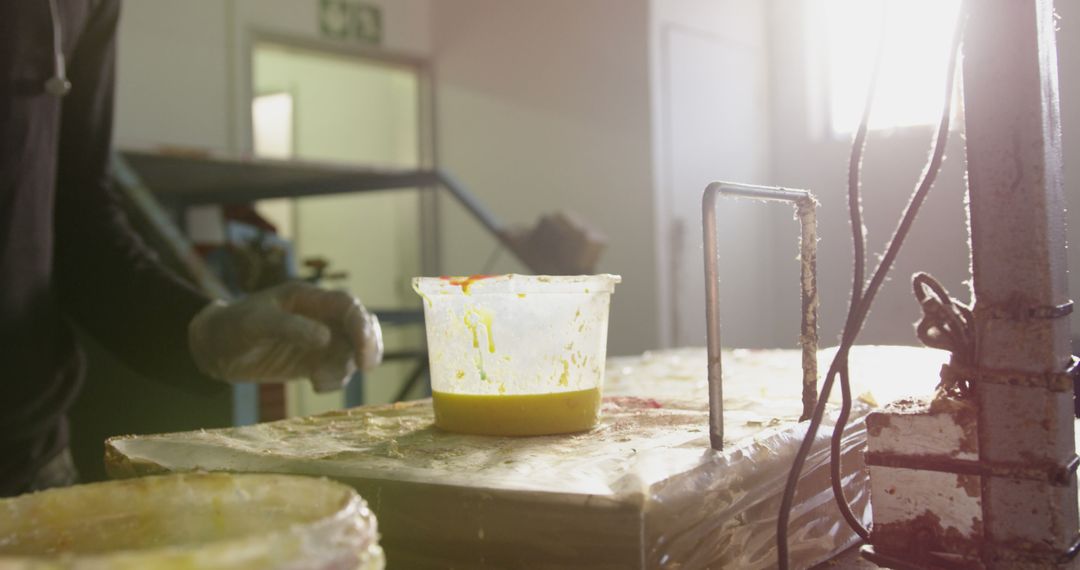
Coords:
886,561
1058,475
1032,553
805,204
1016,203
1053,474
1049,381
1024,313
1029,552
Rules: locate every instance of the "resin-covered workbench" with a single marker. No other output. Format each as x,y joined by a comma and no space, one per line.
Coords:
642,490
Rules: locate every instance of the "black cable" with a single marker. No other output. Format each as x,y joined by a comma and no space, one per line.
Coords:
859,246
858,239
861,310
860,307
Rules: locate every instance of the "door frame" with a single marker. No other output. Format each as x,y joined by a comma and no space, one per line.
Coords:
428,214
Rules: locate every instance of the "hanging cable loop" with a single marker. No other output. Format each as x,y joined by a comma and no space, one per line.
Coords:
946,324
861,300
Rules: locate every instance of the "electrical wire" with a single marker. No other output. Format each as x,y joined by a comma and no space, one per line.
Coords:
858,239
858,276
862,299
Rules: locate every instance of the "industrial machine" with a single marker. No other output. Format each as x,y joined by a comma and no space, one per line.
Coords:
982,474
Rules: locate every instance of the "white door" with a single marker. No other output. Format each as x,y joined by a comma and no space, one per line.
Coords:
716,128
347,109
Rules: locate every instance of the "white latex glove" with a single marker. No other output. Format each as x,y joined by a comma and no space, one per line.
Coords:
295,330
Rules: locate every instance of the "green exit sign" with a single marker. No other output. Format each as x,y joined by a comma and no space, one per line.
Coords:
351,20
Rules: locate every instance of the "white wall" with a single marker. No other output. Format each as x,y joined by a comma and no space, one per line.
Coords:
1068,44
561,104
544,106
353,111
184,80
172,75
183,66
709,86
801,157
405,32
798,154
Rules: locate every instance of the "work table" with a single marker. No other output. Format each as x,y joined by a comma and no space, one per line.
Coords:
642,490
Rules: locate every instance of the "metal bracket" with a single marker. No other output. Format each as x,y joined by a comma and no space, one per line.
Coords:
1058,473
805,204
1015,554
886,561
1020,313
1050,473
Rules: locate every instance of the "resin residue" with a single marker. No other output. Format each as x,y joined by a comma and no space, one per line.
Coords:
473,319
564,379
465,282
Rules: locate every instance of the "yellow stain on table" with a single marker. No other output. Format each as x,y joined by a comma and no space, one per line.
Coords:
517,414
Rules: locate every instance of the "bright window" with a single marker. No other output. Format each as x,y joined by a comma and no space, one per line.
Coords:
916,36
272,125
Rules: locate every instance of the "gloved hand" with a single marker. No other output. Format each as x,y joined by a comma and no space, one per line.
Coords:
294,330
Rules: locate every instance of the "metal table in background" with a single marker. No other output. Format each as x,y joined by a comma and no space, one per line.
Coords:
179,181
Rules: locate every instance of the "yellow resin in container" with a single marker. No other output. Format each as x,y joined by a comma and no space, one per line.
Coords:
517,414
516,354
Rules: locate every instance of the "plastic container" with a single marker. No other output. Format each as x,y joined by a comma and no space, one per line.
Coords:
192,521
516,354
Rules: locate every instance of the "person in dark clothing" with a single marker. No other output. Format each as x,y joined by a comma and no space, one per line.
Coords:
68,255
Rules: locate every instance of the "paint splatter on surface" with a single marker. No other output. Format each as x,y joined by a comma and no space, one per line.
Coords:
465,282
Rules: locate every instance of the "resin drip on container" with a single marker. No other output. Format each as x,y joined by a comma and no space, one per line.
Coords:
516,354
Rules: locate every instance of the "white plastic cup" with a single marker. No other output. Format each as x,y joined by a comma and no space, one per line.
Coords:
516,354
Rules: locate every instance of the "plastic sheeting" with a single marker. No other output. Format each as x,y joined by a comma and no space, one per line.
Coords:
643,490
191,522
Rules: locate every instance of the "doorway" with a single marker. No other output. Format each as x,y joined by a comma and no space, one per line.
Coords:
714,121
320,104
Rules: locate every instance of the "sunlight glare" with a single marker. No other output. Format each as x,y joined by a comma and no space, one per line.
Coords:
916,36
